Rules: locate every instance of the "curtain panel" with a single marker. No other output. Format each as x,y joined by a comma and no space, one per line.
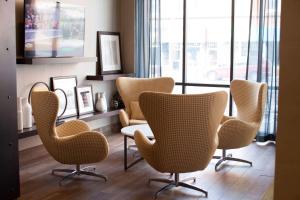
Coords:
147,38
263,55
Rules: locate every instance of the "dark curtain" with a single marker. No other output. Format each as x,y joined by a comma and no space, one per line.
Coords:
263,59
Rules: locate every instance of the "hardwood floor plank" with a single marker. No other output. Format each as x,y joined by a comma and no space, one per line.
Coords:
234,181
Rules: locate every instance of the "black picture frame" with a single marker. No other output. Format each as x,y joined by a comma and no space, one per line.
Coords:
109,51
80,102
61,83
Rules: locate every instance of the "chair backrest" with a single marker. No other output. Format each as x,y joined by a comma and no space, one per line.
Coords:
250,99
185,128
45,109
131,88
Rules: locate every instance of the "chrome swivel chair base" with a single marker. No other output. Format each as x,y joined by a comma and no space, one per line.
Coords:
228,157
89,171
176,183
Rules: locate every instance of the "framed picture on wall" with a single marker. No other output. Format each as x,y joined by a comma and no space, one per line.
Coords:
109,53
67,101
85,101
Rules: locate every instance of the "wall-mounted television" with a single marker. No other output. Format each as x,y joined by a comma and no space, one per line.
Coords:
53,29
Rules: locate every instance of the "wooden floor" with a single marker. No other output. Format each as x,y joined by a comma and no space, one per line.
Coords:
233,182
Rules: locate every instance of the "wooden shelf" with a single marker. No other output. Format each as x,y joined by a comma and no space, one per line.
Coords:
107,77
59,60
28,132
98,115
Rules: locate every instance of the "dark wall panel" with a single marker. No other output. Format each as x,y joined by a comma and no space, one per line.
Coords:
9,163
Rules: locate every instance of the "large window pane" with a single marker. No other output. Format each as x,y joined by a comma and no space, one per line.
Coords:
208,41
177,89
199,90
241,36
171,38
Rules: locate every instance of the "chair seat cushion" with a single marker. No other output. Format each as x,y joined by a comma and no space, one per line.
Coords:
136,112
137,122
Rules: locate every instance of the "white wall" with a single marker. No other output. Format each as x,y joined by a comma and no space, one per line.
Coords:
100,15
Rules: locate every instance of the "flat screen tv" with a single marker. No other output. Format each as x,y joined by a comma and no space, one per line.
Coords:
53,29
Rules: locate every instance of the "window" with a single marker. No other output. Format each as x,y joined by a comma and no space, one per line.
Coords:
196,44
205,44
204,20
199,90
172,38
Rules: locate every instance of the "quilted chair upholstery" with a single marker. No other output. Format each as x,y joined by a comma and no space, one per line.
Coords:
236,132
185,131
130,90
72,142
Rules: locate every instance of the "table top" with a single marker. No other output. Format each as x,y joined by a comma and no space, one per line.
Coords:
144,128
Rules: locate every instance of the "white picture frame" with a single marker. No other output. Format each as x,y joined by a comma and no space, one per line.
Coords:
68,85
85,100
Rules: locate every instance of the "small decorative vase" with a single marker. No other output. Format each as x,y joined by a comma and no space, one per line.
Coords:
27,113
115,104
19,113
101,104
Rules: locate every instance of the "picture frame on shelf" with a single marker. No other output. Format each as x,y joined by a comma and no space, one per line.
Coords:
67,98
62,106
109,53
85,100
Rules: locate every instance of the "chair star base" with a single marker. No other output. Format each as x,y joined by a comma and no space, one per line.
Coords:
88,171
176,183
228,157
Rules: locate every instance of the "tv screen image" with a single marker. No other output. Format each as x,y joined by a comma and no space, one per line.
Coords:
53,29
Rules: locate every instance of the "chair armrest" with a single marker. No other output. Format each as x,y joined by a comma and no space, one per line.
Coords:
83,148
145,146
72,127
226,118
124,118
235,133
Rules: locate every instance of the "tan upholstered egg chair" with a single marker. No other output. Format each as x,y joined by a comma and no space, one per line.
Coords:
236,132
130,90
185,131
71,143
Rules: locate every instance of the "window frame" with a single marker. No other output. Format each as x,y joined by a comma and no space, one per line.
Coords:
184,82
